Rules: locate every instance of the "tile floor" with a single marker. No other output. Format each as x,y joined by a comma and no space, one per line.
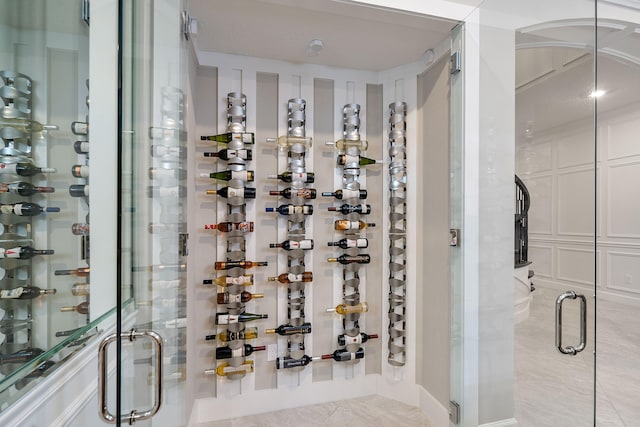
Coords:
369,411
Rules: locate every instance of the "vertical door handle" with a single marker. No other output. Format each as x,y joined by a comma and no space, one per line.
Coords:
583,323
134,415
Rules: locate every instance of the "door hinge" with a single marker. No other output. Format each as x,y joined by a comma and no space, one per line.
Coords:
454,237
454,412
85,11
455,63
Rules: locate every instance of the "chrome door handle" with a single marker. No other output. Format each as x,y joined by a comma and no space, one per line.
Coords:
134,415
583,323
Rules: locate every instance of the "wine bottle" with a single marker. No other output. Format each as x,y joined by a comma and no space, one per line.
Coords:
81,147
345,209
160,173
351,259
225,138
80,229
25,125
245,350
80,289
246,192
306,177
288,193
227,319
225,369
344,224
23,169
344,339
36,373
25,209
82,308
24,189
21,356
289,362
292,209
80,171
165,150
228,175
350,243
67,333
25,292
79,272
226,336
288,141
226,154
24,252
361,307
227,265
80,128
291,245
344,355
230,226
175,191
284,330
342,144
346,194
79,190
345,159
244,296
245,280
307,276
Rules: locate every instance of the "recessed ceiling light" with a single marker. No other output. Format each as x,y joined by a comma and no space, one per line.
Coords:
314,47
597,93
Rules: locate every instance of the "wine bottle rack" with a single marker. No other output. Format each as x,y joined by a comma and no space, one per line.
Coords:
296,144
397,233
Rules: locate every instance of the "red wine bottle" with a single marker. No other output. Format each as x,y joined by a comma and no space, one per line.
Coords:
292,209
25,209
351,259
284,330
346,194
289,362
231,226
361,209
306,177
291,245
344,355
358,339
226,154
350,243
23,252
246,192
227,318
287,193
23,169
245,350
24,189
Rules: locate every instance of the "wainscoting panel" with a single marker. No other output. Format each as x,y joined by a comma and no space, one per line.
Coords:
624,200
575,265
575,149
575,203
623,271
623,138
542,257
540,213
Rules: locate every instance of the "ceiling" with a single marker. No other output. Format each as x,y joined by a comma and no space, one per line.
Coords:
354,36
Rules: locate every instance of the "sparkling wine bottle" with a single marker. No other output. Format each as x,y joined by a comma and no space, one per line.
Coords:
25,209
226,336
80,171
79,272
288,193
345,224
306,177
21,356
226,154
226,265
228,175
360,338
344,355
307,276
231,226
245,350
82,308
245,280
284,330
25,292
289,362
227,319
350,243
291,245
351,259
246,192
345,209
361,307
225,138
292,209
23,169
244,296
24,252
224,369
346,194
24,189
345,159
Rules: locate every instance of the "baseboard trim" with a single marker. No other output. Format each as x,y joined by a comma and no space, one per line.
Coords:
437,413
509,422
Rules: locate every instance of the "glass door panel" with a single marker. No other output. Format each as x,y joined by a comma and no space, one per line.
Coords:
152,229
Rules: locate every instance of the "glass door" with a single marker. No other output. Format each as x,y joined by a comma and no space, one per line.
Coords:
150,341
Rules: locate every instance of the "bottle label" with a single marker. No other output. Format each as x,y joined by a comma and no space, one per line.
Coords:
11,293
241,175
305,193
235,192
294,277
351,159
348,225
226,319
302,244
10,253
237,352
350,194
8,168
362,208
352,340
11,209
237,280
235,298
242,154
356,243
299,176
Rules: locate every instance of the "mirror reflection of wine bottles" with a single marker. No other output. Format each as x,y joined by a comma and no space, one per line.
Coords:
82,308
